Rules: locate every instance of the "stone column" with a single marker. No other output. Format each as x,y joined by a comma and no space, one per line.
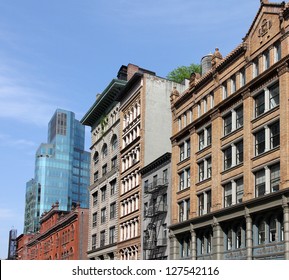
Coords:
173,247
286,227
217,240
249,235
193,243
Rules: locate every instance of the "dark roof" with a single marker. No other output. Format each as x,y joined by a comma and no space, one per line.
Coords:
104,100
153,165
129,85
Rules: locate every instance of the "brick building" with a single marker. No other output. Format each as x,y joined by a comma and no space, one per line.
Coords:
62,236
230,176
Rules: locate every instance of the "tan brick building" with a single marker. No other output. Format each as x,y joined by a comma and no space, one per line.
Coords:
62,236
230,175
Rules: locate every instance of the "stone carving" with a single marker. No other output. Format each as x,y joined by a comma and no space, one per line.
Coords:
216,58
193,79
175,94
265,27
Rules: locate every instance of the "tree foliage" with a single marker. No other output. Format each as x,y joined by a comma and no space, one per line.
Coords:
183,72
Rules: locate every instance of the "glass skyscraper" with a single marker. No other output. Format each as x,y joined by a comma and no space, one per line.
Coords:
61,170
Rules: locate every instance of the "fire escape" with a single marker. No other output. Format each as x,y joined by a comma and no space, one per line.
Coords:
154,241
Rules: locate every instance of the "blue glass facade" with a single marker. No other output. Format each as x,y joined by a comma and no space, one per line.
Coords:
62,168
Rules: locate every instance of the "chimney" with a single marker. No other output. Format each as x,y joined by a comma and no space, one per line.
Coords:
131,70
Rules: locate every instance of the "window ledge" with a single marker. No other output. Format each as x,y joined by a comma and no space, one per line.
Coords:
266,153
203,149
232,168
203,181
265,114
231,133
183,160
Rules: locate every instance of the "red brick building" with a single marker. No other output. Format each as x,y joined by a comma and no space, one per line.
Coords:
62,236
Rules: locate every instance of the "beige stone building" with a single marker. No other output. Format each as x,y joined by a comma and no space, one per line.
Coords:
230,147
145,130
103,118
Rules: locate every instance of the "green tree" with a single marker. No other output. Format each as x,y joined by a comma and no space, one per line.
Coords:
183,72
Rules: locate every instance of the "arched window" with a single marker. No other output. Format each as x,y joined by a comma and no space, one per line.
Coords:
104,150
114,142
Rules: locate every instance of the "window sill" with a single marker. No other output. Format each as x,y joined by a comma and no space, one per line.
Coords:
183,190
232,168
183,161
203,149
231,133
266,153
203,181
265,114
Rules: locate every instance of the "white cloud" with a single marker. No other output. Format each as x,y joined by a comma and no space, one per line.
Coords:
8,141
23,99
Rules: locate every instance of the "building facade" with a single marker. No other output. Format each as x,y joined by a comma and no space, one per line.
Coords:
12,244
155,214
145,129
103,118
62,236
230,176
61,170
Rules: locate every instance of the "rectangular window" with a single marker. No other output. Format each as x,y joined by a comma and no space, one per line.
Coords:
180,123
255,68
113,162
275,177
266,60
181,180
260,142
112,235
93,242
227,124
182,151
103,193
104,169
242,77
201,140
274,96
228,158
165,176
233,84
103,215
225,90
201,171
259,104
95,176
181,211
260,182
239,190
239,152
112,187
239,117
277,52
275,135
102,238
94,198
228,194
112,210
94,219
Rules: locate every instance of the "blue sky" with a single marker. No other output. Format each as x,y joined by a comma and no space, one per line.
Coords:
60,54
